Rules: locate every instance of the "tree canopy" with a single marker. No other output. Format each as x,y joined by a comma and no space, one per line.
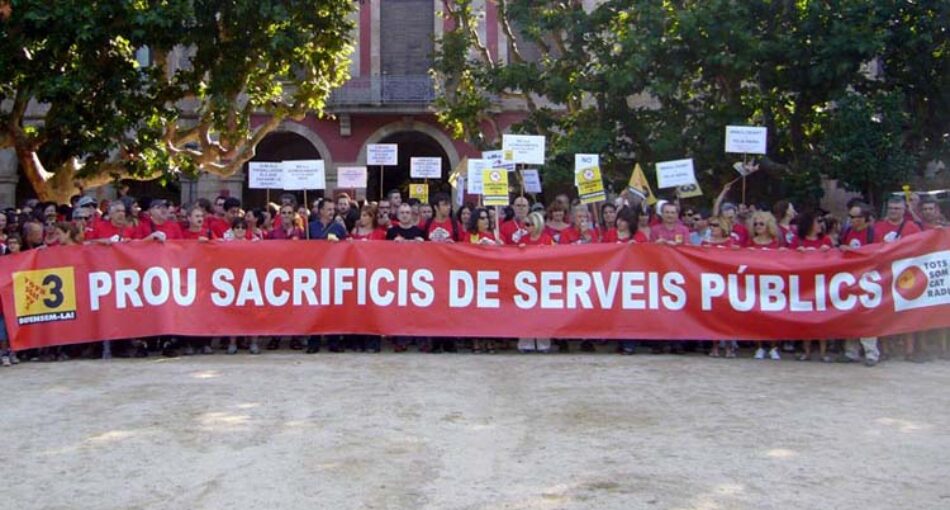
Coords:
646,81
81,110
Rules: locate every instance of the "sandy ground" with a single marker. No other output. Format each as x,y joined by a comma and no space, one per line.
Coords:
464,431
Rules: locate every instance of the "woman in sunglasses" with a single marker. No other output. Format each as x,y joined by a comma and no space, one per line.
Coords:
479,227
537,236
720,233
765,233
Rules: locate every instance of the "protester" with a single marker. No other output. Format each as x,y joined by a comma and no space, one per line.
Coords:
286,228
368,227
406,229
930,215
480,227
514,229
670,231
442,227
557,224
157,225
785,214
765,232
608,217
720,233
894,225
810,235
536,232
196,228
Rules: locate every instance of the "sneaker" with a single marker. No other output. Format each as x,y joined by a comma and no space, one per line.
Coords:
208,350
254,349
828,358
5,361
870,362
232,349
773,353
730,353
188,350
803,357
759,353
13,359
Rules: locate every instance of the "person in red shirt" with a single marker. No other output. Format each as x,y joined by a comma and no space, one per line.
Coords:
670,231
894,226
720,236
785,213
367,229
557,221
811,235
157,225
536,234
583,230
196,229
765,233
930,214
113,230
442,227
480,228
628,228
608,217
859,231
217,225
514,229
286,228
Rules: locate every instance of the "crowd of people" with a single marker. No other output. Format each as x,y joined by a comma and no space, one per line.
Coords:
625,219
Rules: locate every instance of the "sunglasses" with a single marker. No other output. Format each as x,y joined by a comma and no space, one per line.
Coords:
238,228
758,224
715,225
83,218
853,217
483,217
286,213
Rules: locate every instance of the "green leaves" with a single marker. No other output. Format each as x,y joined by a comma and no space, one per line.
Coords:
650,81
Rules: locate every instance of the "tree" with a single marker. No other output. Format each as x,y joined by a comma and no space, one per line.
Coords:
650,81
81,111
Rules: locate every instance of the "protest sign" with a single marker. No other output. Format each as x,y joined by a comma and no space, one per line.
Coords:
384,154
746,139
475,169
351,177
527,149
425,168
670,174
304,174
265,175
532,180
495,186
74,294
640,186
420,191
688,191
590,185
499,159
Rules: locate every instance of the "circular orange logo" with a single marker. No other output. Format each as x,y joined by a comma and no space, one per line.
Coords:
911,283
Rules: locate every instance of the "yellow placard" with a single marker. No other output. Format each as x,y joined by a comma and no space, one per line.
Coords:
44,295
689,191
420,191
495,186
590,185
639,184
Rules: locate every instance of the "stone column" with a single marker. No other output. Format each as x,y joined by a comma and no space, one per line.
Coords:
8,177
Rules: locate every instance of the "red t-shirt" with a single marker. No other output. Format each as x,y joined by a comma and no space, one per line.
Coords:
204,232
740,234
482,238
886,232
569,235
854,238
105,230
678,234
813,244
728,243
217,225
611,236
932,226
512,231
442,231
787,236
556,234
543,240
171,229
278,233
375,235
774,245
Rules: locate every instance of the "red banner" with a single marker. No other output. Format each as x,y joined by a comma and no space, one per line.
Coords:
138,289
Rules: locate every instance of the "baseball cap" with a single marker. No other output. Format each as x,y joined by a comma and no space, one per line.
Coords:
158,202
86,202
729,205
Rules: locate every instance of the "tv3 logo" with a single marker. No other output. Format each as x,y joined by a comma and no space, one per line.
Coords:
44,291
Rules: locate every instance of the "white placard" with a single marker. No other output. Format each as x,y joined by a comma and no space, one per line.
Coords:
265,175
527,149
532,180
475,168
670,174
351,177
386,154
425,168
497,160
582,161
460,192
304,174
746,139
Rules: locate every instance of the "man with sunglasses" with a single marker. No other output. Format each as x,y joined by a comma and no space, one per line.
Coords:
286,229
859,232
